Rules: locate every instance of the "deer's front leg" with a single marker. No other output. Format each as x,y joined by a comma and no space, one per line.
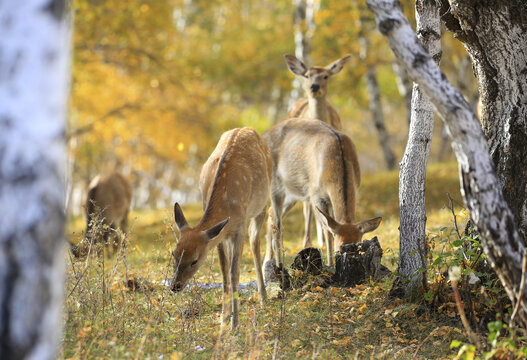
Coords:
307,227
225,266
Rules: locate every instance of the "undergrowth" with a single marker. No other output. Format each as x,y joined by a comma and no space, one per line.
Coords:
120,307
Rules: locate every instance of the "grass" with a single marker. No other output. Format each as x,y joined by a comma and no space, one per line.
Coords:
104,318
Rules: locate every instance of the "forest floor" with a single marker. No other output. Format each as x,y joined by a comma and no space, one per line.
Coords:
104,317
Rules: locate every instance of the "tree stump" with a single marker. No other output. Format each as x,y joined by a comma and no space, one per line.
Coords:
309,261
279,274
357,262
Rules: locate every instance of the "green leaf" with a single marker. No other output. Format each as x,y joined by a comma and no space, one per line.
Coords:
455,344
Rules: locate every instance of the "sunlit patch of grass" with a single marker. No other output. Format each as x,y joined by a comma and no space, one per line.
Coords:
114,321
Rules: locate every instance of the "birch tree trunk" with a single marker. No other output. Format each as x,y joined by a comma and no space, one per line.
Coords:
412,241
304,30
404,85
480,188
494,33
375,102
34,64
378,117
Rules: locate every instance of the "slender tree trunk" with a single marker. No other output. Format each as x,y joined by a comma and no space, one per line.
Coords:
483,196
494,33
374,94
304,29
412,243
378,117
404,85
34,59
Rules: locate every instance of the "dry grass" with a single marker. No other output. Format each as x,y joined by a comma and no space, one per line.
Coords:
104,318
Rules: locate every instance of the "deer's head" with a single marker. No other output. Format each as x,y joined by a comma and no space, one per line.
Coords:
348,233
192,248
315,79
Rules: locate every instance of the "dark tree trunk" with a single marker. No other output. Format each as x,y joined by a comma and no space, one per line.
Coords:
374,95
34,56
494,33
500,238
378,117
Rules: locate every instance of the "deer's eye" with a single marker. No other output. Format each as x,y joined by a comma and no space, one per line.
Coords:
194,263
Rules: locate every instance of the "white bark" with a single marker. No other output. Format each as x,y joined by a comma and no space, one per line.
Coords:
412,246
483,196
304,29
34,60
404,85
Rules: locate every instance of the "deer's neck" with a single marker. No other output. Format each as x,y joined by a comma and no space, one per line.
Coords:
317,108
344,211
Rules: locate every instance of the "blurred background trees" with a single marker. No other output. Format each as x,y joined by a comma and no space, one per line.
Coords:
156,82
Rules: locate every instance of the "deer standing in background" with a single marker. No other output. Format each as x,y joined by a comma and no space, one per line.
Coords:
235,183
107,206
315,106
314,163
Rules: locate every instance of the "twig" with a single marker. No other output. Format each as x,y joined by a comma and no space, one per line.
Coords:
423,342
473,337
520,292
451,208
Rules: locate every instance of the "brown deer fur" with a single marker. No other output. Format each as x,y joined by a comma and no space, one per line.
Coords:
314,162
107,206
235,183
315,83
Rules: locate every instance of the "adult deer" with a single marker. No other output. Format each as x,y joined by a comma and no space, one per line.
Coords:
107,207
315,106
315,83
313,162
235,183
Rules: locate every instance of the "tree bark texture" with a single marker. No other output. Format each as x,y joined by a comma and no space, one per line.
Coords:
374,95
34,68
304,29
480,188
412,243
404,85
494,33
378,117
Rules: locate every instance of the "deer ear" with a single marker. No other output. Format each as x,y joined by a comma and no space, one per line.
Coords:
181,222
213,232
369,225
296,66
328,222
336,66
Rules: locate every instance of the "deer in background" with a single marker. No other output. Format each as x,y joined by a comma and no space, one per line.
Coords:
312,162
107,206
315,106
315,83
235,183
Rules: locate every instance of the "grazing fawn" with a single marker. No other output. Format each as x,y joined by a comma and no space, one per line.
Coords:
107,206
315,83
235,184
313,162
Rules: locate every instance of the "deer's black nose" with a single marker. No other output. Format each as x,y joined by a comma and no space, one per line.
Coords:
315,87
